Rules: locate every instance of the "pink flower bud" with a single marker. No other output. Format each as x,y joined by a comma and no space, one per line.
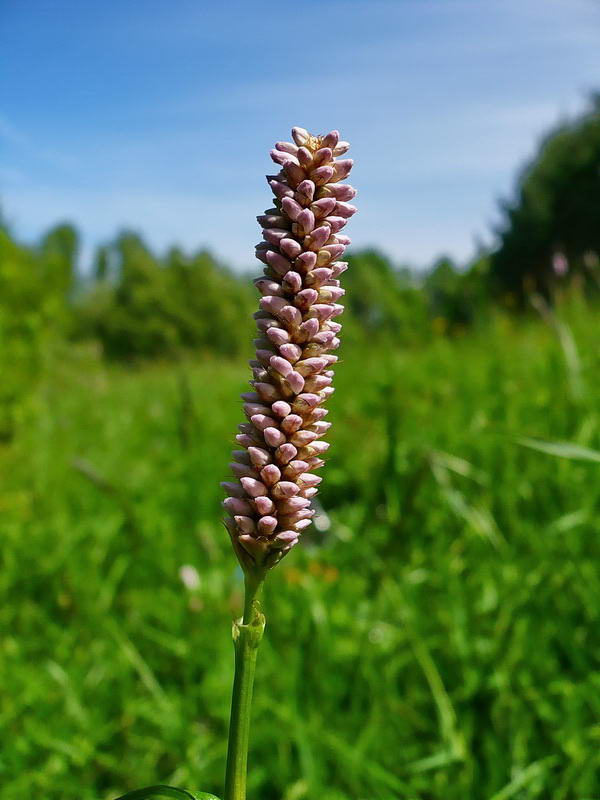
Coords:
319,236
321,311
281,365
320,427
309,480
336,223
287,147
338,267
281,189
261,422
274,235
318,448
273,437
267,287
334,250
291,352
305,299
345,209
300,136
295,381
285,453
330,295
264,505
282,158
309,328
340,148
293,172
318,276
317,382
237,506
306,261
323,337
291,423
272,303
305,402
306,219
291,315
309,366
302,438
331,139
321,208
259,456
272,221
270,474
304,157
232,488
245,524
278,336
250,397
341,191
267,391
293,281
242,470
264,356
322,157
295,468
266,525
291,207
285,489
322,175
253,488
317,415
305,191
291,504
290,247
286,539
255,408
280,264
341,169
281,408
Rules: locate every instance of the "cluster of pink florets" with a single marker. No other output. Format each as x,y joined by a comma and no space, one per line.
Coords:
269,501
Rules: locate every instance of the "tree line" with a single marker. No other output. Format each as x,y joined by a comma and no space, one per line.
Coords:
136,304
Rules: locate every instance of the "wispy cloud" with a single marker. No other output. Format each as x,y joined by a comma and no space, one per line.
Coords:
26,145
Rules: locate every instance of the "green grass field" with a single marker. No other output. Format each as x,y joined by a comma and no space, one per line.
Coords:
438,638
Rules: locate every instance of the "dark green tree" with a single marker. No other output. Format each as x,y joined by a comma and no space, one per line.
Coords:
553,225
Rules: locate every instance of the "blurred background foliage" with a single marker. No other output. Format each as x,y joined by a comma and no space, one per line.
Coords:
435,637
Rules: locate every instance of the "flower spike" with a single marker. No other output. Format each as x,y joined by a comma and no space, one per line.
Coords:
268,501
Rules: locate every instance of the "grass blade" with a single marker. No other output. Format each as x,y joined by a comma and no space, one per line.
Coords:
575,452
166,791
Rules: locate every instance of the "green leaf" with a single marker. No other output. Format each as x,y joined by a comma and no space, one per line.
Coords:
561,449
166,791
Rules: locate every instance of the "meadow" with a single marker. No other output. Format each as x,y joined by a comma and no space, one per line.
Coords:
435,636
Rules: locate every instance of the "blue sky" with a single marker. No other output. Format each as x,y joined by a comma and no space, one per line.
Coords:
158,116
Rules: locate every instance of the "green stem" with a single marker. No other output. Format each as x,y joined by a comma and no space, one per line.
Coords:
247,634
